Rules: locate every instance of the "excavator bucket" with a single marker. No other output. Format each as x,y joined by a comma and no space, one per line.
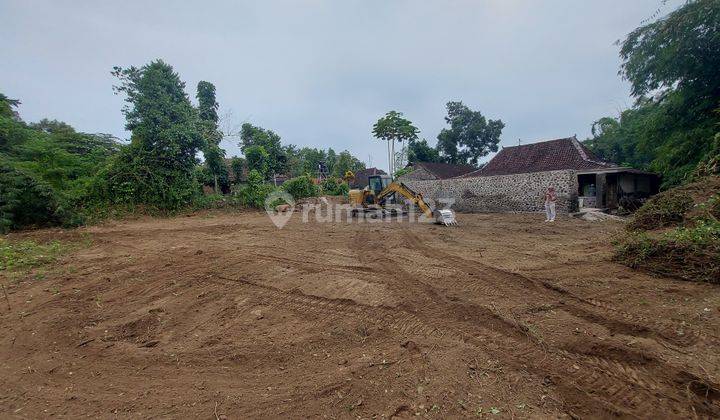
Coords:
445,217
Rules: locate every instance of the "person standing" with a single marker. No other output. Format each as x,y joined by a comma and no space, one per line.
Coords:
550,199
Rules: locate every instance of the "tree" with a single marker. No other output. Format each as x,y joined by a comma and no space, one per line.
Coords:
237,165
251,135
258,160
394,127
420,151
46,169
346,162
157,167
214,154
470,135
207,104
671,64
7,107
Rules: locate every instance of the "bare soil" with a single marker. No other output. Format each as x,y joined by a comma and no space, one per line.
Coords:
222,315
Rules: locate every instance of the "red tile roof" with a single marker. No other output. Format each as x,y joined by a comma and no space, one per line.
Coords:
445,170
550,155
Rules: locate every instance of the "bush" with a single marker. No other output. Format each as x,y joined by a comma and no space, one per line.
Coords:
689,253
25,201
665,209
334,186
301,187
254,192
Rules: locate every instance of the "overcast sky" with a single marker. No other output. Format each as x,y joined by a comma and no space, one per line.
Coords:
320,73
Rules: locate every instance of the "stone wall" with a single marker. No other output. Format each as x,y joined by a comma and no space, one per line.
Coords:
503,193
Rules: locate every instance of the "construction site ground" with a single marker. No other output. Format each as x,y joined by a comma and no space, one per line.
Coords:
222,315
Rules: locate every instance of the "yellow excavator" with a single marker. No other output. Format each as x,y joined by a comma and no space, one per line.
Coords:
384,197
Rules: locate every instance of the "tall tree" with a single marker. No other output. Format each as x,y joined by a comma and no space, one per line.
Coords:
214,154
157,168
671,64
258,160
470,135
251,135
420,151
391,127
207,103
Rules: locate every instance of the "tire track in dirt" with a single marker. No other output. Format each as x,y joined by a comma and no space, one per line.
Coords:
621,322
613,386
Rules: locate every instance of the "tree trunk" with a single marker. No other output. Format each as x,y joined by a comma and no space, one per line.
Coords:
389,159
216,184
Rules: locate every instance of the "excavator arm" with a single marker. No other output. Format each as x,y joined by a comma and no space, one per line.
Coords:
402,189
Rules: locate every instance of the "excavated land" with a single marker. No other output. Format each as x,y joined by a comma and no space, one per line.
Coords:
222,315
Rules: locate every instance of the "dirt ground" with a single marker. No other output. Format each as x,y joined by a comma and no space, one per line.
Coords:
222,315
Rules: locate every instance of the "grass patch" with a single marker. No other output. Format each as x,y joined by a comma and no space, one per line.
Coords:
689,253
24,255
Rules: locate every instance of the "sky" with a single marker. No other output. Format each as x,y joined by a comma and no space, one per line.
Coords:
321,72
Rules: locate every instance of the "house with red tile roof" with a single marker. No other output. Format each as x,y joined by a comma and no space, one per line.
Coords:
518,176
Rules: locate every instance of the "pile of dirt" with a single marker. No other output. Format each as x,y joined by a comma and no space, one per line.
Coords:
676,233
676,206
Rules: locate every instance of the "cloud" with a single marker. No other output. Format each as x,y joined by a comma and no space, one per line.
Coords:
320,73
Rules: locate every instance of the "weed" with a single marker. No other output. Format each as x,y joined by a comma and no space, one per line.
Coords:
28,254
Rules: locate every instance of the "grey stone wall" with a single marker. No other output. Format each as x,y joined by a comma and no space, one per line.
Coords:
417,174
503,193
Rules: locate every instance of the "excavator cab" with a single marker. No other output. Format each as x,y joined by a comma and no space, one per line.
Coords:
377,183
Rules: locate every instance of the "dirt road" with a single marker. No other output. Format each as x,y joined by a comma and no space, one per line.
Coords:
224,316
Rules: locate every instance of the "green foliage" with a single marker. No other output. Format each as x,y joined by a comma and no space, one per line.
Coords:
346,162
689,253
676,51
237,165
214,154
393,126
254,192
691,249
665,209
207,105
7,106
251,136
710,165
672,66
420,151
301,187
334,186
28,254
258,160
158,167
26,202
470,135
46,169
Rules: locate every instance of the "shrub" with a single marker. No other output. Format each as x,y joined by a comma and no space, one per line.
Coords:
689,253
665,209
254,192
301,187
25,201
334,186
